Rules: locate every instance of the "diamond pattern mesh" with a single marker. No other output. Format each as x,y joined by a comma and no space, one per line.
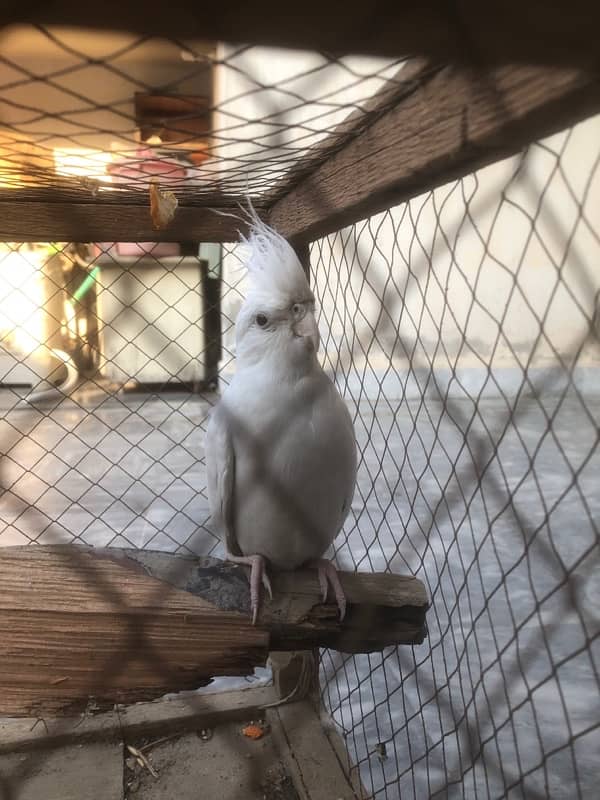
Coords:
119,461
96,116
461,328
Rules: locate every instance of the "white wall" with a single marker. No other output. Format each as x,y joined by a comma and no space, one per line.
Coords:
462,277
150,321
499,269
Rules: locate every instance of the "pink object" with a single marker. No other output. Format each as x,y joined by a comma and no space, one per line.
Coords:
136,249
158,249
143,165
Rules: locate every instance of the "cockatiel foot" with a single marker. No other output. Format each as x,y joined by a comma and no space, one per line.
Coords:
328,577
258,575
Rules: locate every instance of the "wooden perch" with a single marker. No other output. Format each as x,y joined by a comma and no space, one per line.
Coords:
120,626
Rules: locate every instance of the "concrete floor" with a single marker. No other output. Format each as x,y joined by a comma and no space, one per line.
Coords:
221,763
481,503
77,772
218,764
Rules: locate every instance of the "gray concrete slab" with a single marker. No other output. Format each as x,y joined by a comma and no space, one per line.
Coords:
78,772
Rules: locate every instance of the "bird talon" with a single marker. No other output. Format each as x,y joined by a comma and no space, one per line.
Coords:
323,584
266,581
258,575
328,576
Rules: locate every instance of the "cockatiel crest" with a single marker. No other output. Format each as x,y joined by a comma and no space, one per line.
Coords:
276,322
274,271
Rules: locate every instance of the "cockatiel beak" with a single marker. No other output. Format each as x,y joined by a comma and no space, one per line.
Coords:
308,330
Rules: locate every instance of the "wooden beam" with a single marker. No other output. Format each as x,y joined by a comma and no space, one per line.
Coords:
529,31
309,757
124,625
459,119
407,78
48,221
188,712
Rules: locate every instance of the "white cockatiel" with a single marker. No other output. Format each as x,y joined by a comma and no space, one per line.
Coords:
280,445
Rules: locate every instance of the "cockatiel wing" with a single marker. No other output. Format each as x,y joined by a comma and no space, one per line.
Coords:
220,478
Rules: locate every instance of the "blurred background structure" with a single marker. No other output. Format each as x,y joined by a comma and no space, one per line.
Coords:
442,185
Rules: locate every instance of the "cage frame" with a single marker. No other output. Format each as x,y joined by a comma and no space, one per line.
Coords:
483,85
453,115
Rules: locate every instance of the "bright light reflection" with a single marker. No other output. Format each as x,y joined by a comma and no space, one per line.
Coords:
82,163
21,299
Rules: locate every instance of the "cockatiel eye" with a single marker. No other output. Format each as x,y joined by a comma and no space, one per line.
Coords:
261,320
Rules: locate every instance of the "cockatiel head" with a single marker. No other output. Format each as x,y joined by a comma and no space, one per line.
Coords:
277,318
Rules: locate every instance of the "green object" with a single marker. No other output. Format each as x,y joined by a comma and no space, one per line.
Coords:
87,284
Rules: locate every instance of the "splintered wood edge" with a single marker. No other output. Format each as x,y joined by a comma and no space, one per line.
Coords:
361,588
187,611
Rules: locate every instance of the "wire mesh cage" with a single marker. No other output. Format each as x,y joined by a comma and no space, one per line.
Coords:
460,326
214,122
98,464
476,412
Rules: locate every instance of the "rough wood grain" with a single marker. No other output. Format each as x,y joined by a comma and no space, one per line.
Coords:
506,30
405,81
186,712
36,221
120,626
460,118
75,624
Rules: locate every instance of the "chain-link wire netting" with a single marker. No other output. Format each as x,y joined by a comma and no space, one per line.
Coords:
118,459
461,328
88,115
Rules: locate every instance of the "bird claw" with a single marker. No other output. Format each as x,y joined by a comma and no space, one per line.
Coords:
266,582
323,583
258,575
328,576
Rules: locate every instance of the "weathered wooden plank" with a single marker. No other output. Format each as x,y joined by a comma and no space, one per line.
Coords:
406,79
35,221
460,119
309,757
122,626
504,30
184,713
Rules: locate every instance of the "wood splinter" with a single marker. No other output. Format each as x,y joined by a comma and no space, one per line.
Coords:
120,626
